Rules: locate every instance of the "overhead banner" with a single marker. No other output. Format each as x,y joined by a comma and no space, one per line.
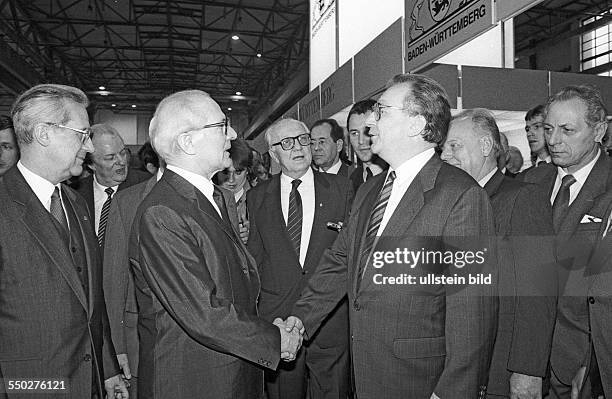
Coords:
435,27
322,40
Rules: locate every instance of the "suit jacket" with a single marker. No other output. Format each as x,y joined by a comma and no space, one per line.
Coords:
574,244
85,188
197,288
407,342
49,324
356,177
527,311
599,279
345,170
282,276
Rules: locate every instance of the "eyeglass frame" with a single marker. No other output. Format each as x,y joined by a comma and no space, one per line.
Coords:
224,124
86,133
378,107
293,139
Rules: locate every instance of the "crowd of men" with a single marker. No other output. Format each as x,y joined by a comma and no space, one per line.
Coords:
167,285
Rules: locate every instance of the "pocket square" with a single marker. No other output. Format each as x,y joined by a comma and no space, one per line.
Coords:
337,226
590,219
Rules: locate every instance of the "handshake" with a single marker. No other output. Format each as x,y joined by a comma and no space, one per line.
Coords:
292,334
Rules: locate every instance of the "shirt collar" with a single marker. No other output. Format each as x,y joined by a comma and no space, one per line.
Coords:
335,168
307,178
487,177
42,187
583,173
410,168
204,185
100,189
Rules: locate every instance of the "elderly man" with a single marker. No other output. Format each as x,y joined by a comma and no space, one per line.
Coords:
523,223
53,323
9,151
109,163
576,184
427,340
287,242
327,141
359,136
196,284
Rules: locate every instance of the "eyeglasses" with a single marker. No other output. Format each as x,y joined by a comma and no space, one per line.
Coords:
289,142
378,107
224,123
86,133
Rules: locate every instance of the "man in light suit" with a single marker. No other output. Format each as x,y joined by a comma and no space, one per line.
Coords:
325,199
196,284
328,147
53,322
576,183
425,341
523,226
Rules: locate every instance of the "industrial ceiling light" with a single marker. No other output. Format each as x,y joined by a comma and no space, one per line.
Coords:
133,105
113,105
258,55
238,93
229,108
102,88
235,37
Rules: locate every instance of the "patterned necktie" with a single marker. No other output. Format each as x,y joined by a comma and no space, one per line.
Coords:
104,216
57,210
561,203
294,218
376,216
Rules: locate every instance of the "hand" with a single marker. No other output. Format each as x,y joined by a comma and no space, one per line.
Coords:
525,387
578,381
115,388
293,322
243,229
290,341
125,365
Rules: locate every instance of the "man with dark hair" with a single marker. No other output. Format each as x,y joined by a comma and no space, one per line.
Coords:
523,225
427,340
9,150
148,158
327,147
534,126
370,163
53,322
576,182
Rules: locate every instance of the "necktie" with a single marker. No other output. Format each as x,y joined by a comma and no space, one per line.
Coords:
561,203
375,218
294,218
218,197
369,174
104,216
57,210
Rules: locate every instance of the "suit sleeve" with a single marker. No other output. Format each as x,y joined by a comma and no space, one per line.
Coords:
179,277
255,242
471,311
116,275
535,276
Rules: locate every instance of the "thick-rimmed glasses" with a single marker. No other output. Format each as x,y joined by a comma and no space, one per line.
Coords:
86,133
224,123
289,142
378,107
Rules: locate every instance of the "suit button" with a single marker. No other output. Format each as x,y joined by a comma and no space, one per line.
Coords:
356,306
87,357
73,249
591,300
79,269
304,272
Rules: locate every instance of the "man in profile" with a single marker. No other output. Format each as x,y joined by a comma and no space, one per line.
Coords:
196,284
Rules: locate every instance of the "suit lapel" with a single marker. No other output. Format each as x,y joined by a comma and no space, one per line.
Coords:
494,183
322,214
38,221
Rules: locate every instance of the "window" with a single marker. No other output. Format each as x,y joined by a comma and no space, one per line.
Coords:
596,46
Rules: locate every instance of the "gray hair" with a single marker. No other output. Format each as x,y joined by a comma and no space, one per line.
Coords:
484,124
279,124
590,95
43,103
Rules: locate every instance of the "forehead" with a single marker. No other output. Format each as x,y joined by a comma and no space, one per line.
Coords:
107,142
396,94
323,130
573,110
461,129
76,112
6,135
357,121
536,119
287,129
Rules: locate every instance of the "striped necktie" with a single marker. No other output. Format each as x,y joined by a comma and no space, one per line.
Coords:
104,216
57,210
294,218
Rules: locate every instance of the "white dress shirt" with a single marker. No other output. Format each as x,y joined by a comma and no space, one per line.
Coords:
203,185
307,193
100,197
404,175
334,169
581,175
43,188
482,182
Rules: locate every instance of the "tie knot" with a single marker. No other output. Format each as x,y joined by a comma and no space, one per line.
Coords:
568,180
391,177
109,191
56,193
295,184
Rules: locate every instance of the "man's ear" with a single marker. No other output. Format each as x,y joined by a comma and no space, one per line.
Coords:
417,124
600,131
339,145
184,143
42,134
486,145
273,155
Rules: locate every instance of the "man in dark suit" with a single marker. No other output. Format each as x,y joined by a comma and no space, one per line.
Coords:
109,163
428,339
576,182
325,199
53,322
523,227
196,284
328,148
370,164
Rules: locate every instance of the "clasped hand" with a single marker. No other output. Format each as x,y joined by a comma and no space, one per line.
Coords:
291,332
